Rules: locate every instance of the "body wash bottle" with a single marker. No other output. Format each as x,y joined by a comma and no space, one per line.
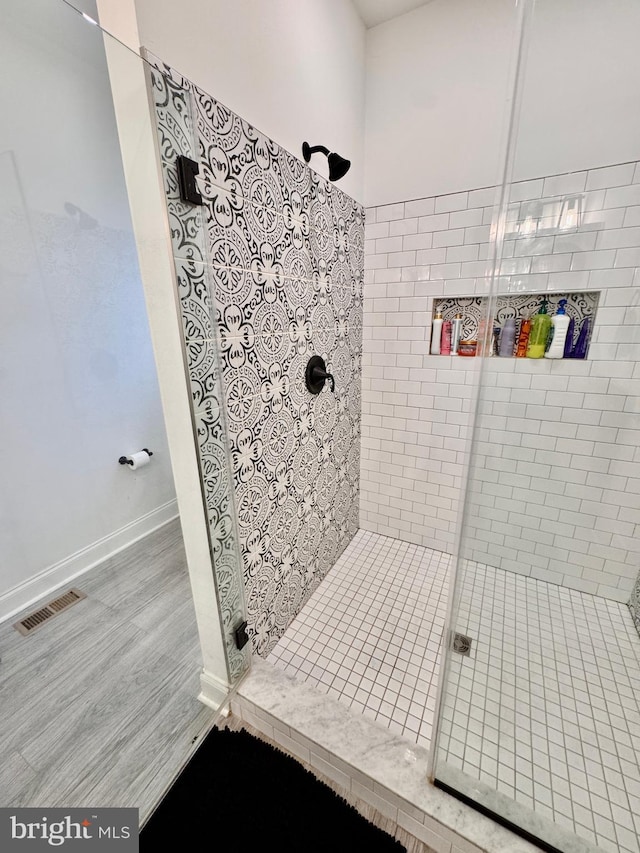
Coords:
560,323
540,327
580,349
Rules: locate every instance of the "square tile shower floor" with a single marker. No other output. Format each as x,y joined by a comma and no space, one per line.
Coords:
370,634
546,709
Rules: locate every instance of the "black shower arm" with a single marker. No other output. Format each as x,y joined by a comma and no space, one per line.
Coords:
312,150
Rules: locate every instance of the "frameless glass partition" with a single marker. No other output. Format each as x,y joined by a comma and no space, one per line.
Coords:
80,394
540,702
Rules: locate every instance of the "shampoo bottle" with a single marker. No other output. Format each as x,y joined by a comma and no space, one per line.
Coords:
456,333
436,334
523,338
540,327
508,337
560,325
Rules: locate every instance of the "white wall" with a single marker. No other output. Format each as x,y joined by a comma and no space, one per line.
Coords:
580,99
77,375
54,60
555,488
436,81
292,68
436,88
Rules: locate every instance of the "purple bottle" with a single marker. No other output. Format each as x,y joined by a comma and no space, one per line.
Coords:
568,343
580,349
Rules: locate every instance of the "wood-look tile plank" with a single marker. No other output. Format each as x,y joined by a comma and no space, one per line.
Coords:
16,779
131,580
59,666
154,748
128,676
171,623
102,700
90,751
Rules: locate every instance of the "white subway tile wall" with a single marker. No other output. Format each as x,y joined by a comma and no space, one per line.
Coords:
555,479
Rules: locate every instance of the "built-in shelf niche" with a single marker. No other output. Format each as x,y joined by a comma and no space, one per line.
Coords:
520,306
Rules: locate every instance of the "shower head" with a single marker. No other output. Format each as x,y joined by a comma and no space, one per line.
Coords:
338,166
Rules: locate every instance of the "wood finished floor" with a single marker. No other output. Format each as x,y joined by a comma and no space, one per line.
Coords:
98,707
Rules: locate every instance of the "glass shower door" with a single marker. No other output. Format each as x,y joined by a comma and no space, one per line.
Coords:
539,717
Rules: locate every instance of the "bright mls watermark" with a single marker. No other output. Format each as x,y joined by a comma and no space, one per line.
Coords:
75,830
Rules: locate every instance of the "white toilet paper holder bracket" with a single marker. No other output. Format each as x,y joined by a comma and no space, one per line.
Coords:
124,460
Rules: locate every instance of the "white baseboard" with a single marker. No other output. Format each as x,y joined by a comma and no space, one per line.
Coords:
213,692
46,582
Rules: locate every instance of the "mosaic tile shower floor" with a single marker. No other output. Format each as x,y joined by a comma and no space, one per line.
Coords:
545,710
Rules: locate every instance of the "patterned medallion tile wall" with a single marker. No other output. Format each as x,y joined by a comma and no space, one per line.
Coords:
270,272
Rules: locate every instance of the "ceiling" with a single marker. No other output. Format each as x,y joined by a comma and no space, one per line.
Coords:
375,12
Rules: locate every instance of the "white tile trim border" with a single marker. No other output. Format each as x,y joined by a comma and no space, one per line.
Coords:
382,768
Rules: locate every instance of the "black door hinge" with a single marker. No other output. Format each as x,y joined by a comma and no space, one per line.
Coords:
187,171
242,638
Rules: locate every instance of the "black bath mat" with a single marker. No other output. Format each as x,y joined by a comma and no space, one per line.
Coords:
239,793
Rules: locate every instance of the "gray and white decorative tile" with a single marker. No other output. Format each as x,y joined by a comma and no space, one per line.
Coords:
204,377
281,281
296,175
230,248
296,260
172,102
211,455
232,286
195,299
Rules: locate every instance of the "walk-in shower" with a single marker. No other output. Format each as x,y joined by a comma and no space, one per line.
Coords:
443,544
502,484
514,476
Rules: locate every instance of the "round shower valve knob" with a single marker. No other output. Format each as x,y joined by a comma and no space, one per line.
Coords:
316,375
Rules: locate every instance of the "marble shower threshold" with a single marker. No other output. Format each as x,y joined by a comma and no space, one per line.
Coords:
382,768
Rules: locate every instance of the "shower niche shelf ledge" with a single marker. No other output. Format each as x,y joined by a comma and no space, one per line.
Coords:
520,306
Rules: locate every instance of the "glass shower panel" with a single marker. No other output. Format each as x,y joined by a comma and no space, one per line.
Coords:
540,709
177,124
79,389
269,268
78,378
